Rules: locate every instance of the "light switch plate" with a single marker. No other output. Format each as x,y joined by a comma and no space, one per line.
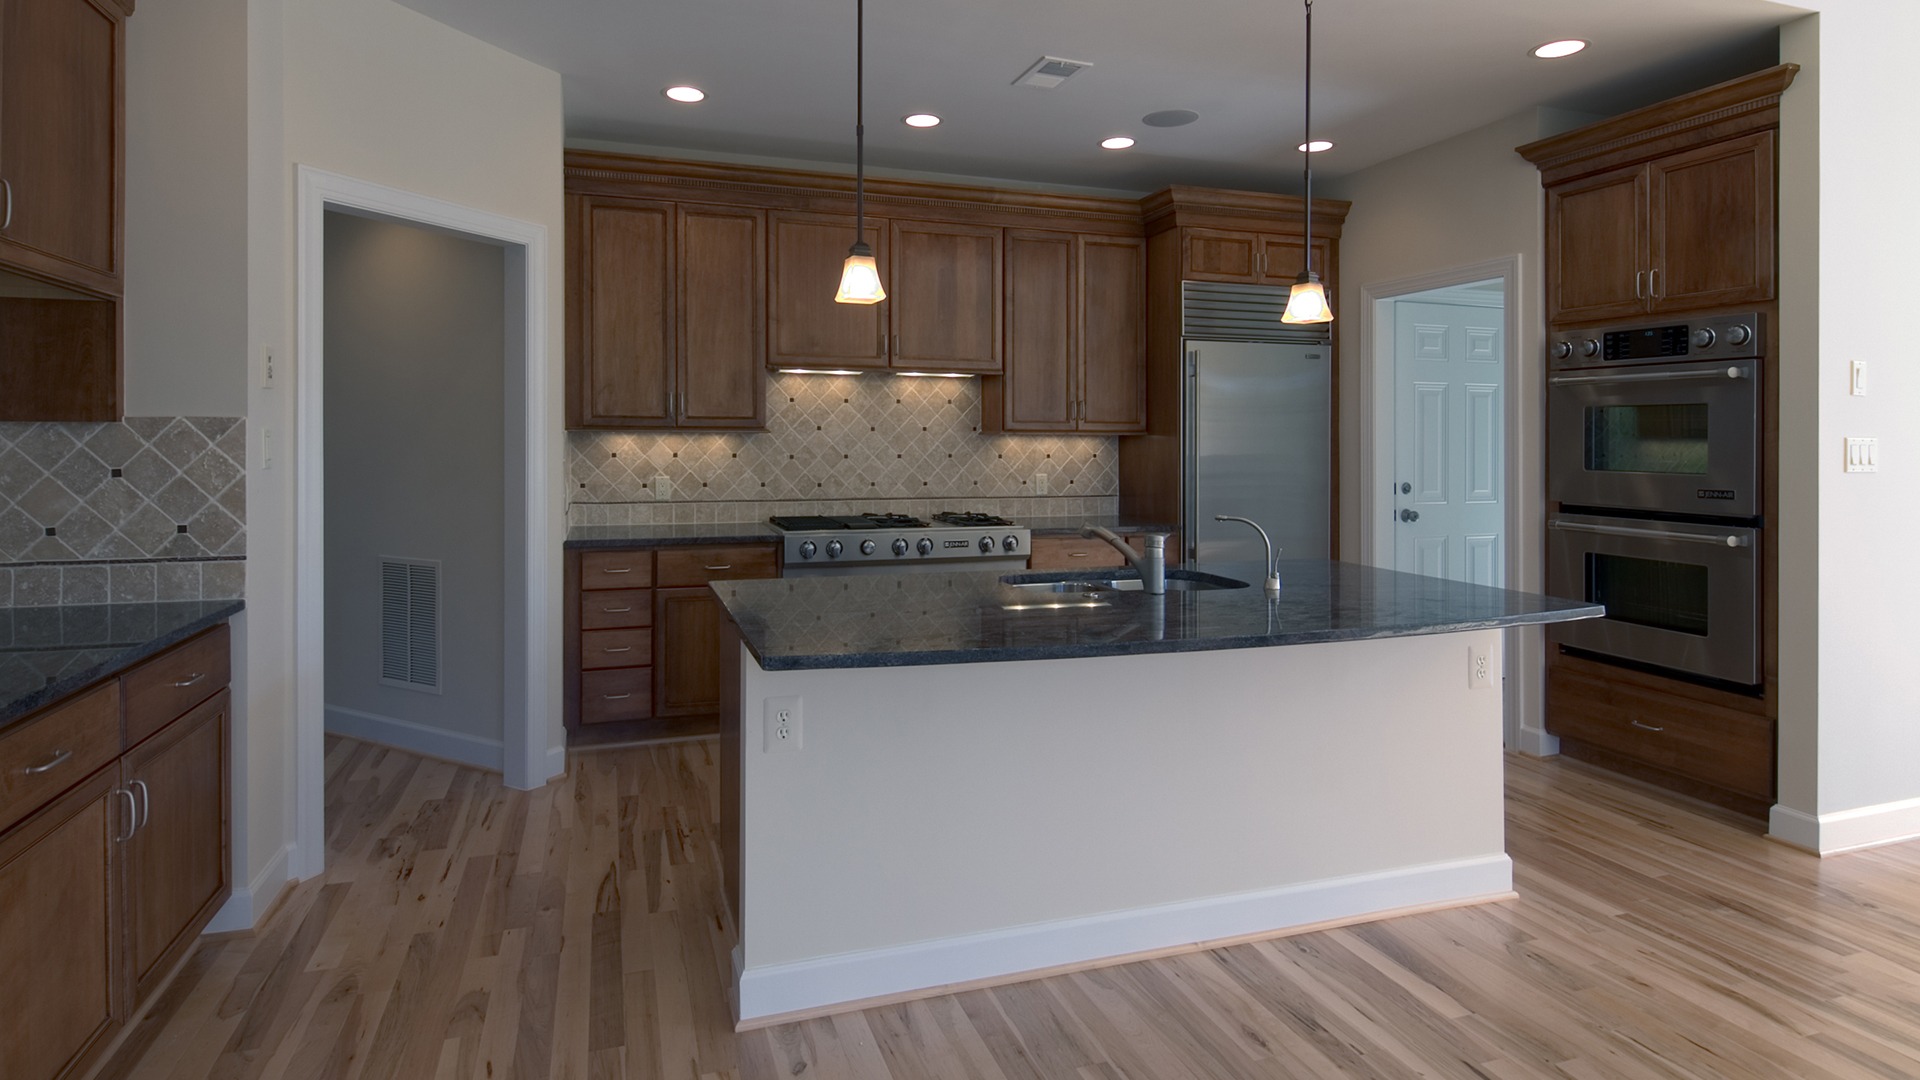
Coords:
269,368
1863,455
1858,378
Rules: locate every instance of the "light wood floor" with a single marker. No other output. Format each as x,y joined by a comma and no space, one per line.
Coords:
464,931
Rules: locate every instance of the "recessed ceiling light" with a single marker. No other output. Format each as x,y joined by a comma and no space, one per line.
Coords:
922,120
687,94
1317,146
1554,50
1118,142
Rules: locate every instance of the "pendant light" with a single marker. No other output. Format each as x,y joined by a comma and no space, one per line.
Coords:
1308,301
860,277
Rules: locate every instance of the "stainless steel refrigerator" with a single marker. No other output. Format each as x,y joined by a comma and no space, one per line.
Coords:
1258,425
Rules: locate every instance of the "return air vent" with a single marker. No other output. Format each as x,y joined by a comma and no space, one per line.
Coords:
410,624
1222,311
1050,71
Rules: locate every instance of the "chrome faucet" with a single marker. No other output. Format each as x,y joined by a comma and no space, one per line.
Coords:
1273,568
1152,565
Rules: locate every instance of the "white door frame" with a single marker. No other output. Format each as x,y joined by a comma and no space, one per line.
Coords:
1524,667
529,682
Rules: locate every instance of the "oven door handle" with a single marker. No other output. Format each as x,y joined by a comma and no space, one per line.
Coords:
1650,376
1732,541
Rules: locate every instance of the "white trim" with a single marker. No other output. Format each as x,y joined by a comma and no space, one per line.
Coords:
1522,468
528,678
243,909
776,989
419,738
556,761
1846,830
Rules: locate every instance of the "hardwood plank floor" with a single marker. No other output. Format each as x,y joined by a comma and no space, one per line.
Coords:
466,932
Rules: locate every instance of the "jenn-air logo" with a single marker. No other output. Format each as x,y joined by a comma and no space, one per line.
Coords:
1714,493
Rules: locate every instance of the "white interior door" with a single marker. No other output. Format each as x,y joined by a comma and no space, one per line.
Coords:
1449,440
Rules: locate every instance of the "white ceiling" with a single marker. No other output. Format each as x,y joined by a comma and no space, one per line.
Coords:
1389,76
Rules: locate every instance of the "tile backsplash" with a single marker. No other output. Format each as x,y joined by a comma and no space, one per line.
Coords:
153,507
842,444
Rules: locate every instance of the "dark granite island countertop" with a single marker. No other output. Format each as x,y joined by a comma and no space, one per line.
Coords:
47,653
900,620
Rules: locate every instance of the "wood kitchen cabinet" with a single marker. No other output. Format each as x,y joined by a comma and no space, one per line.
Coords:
177,857
1075,336
686,673
1248,258
1597,245
668,327
804,326
945,291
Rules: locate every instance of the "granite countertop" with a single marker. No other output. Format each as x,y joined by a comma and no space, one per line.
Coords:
588,537
973,617
47,653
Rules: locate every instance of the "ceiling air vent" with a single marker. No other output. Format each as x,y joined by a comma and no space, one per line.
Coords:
410,624
1050,71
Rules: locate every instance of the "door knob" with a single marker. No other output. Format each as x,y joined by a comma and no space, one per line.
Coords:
1406,488
1409,515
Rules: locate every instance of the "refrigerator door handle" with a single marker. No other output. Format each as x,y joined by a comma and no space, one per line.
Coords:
1189,452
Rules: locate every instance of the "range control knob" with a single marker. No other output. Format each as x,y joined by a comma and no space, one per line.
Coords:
986,545
1739,334
900,545
1563,350
1011,543
808,548
924,547
1590,347
1704,338
866,547
834,548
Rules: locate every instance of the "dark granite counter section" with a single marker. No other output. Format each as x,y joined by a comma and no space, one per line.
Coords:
1070,526
588,537
974,617
47,653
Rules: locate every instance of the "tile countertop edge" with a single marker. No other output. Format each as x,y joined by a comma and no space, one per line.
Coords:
31,702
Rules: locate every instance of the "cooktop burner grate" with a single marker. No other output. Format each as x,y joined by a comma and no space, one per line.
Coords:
819,523
970,520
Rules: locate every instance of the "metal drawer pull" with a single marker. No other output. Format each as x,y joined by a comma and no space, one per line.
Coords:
722,566
617,697
146,805
1650,376
133,815
1645,727
7,223
618,570
1077,554
191,679
623,648
58,759
617,610
1650,534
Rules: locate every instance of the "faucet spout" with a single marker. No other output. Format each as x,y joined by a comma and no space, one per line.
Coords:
1152,565
1273,568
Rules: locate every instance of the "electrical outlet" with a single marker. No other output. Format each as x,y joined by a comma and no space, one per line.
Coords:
1859,379
1040,481
1479,668
1863,455
662,487
784,730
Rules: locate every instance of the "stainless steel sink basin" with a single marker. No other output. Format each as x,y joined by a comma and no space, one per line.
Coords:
1177,581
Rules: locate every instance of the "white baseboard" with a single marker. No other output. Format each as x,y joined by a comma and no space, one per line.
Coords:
556,762
811,986
453,746
1536,742
1846,830
249,902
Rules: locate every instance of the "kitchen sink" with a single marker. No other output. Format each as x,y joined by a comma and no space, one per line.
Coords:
1177,581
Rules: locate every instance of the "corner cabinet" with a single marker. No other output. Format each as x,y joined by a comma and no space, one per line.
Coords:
1075,336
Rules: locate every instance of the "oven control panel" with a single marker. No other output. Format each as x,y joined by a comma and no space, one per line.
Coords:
1729,337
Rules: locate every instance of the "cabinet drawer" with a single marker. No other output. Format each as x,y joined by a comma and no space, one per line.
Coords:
45,756
697,566
605,609
608,697
166,686
616,569
1695,739
1070,553
616,648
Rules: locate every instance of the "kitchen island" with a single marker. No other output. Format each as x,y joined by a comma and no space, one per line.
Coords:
980,779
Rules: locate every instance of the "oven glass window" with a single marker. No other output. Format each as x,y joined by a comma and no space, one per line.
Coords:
1650,592
1647,439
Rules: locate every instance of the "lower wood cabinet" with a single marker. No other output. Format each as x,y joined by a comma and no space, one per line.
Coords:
177,856
686,670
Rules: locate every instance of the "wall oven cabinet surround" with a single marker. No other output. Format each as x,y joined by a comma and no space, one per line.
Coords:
1076,336
114,809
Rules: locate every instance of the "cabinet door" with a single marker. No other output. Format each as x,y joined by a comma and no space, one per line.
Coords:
623,369
60,942
1713,225
1040,390
686,657
946,297
1220,255
177,857
1113,334
60,74
1597,246
1282,258
722,361
805,328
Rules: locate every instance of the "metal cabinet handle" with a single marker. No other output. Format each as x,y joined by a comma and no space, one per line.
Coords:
58,759
616,697
623,648
133,816
1639,284
1076,554
1653,284
1645,727
7,222
617,610
722,566
146,805
618,570
191,679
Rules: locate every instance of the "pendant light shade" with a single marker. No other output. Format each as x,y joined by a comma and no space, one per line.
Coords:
860,275
1307,303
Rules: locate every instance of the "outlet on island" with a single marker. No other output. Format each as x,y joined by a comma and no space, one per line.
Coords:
783,725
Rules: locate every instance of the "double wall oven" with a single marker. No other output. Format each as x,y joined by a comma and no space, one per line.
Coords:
1655,484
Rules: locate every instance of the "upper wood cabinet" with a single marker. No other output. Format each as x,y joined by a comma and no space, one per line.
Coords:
1666,209
805,327
668,327
1075,336
945,292
1111,314
1247,258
